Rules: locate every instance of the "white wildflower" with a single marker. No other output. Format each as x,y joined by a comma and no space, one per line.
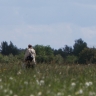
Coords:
37,82
15,95
88,84
1,87
49,85
26,83
34,76
79,92
59,94
19,72
5,90
11,78
31,95
40,93
48,91
10,91
41,82
0,80
92,94
73,84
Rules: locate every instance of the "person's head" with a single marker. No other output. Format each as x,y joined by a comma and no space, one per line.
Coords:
29,46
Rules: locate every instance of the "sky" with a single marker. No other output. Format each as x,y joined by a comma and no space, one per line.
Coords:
48,22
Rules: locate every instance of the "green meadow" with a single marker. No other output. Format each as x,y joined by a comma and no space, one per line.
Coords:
47,80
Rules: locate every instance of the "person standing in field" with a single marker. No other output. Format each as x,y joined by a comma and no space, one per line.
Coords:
30,54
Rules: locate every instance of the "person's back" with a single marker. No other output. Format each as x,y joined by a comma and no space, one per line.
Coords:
30,54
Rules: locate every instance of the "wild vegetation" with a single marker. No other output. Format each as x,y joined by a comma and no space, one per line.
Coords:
79,53
48,80
68,71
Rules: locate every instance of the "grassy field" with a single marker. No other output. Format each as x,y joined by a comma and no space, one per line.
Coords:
48,80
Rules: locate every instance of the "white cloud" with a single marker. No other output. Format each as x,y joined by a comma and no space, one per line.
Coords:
55,35
51,22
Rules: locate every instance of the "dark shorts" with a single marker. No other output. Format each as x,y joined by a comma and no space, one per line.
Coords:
30,58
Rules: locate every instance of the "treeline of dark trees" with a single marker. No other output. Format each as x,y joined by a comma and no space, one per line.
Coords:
78,53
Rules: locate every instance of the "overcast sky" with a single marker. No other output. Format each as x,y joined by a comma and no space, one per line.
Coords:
48,22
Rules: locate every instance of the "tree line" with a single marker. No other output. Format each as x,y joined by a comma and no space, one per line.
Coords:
79,53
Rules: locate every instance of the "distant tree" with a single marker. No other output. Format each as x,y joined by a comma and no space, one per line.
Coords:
60,51
67,50
55,51
13,49
44,53
43,50
8,49
21,54
79,46
71,59
4,48
87,55
59,59
48,50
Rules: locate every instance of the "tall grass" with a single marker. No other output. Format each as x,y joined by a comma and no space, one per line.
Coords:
48,80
